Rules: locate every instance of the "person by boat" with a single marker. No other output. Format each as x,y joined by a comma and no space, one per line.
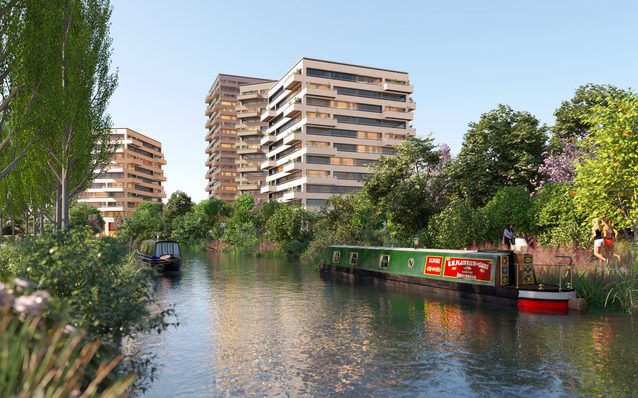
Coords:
597,236
508,236
609,235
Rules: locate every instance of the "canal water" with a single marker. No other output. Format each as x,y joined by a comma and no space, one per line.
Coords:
266,327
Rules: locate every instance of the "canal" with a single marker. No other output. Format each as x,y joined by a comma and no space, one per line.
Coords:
265,327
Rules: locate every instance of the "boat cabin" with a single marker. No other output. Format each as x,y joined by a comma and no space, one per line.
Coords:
164,254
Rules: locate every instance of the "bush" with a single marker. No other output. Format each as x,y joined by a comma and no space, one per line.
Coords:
557,220
43,359
82,214
510,205
97,287
458,226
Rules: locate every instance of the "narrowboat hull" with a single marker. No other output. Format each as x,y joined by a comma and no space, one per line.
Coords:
496,276
161,264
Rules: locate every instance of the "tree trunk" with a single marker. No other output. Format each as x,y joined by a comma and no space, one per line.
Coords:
26,222
57,218
35,229
41,223
64,199
13,229
1,225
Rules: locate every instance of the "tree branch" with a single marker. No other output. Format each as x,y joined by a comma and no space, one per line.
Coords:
15,161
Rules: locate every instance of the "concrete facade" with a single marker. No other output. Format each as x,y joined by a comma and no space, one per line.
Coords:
252,101
134,176
328,123
221,136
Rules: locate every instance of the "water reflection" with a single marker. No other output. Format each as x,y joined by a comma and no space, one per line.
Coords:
263,327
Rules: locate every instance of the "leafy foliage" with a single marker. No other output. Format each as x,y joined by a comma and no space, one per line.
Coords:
241,228
179,204
82,214
146,223
510,205
504,148
557,219
607,180
289,227
573,117
406,187
458,226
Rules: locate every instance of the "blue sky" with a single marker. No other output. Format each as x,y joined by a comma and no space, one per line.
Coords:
464,58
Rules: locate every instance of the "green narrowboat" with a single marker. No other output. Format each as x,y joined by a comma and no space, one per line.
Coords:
164,255
495,275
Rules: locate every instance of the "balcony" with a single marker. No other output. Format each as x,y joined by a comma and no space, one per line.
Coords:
248,187
249,95
247,168
292,81
317,121
292,166
268,189
411,105
268,164
321,92
267,139
398,87
246,113
293,138
267,115
293,110
243,150
397,115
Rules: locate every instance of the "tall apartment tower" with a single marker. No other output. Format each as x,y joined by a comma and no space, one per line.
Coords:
252,100
134,176
328,122
222,135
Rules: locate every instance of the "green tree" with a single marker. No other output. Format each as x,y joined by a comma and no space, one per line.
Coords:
401,186
202,223
82,214
573,117
289,227
607,181
65,58
510,205
179,204
458,226
504,148
241,228
146,223
556,218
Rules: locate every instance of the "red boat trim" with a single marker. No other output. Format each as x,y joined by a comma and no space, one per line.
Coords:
543,306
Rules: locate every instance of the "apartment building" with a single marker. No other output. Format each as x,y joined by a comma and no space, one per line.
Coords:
134,176
221,135
328,123
252,100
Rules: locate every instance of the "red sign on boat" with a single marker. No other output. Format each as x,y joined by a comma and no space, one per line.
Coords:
433,265
468,268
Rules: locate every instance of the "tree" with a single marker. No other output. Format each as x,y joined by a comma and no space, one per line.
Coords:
560,165
178,205
65,59
573,117
82,214
458,226
510,205
146,223
200,224
607,180
289,228
14,144
556,219
403,186
504,148
241,230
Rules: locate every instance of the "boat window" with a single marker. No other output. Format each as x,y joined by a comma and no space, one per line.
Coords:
354,257
384,261
164,248
336,256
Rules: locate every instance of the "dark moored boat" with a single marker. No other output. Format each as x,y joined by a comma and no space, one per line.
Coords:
161,254
494,275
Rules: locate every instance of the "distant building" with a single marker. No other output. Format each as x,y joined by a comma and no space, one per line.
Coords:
134,176
222,135
252,100
328,122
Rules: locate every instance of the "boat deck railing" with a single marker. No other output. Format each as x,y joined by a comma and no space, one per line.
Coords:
547,276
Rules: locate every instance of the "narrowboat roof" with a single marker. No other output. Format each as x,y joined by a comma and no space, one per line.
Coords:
160,241
405,249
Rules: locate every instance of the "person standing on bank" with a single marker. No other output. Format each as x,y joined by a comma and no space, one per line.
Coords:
508,236
597,236
609,235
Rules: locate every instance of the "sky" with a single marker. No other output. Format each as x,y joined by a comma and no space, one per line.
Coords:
463,57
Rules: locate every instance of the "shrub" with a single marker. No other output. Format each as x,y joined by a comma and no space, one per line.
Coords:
82,214
458,226
93,281
510,205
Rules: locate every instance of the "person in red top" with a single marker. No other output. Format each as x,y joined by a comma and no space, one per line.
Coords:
609,235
